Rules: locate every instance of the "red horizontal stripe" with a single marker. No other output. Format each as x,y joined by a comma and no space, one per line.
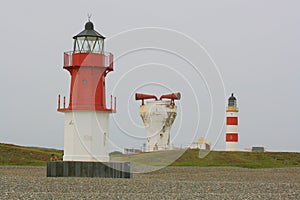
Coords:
231,137
232,121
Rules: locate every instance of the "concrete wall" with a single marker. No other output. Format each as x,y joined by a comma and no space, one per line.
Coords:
158,117
89,169
86,136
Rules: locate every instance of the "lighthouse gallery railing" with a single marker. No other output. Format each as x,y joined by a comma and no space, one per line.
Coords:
96,59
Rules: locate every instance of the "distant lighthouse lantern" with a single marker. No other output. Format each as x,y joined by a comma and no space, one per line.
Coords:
232,101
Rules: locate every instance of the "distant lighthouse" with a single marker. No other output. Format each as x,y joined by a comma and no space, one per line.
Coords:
232,125
86,116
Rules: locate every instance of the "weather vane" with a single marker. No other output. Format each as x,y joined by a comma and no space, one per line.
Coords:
89,16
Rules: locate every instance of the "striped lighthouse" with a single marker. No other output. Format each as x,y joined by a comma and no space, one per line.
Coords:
232,125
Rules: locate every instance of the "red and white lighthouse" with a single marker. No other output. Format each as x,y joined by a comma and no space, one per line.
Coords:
232,125
86,116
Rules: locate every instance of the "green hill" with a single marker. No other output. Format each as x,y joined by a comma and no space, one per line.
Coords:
240,159
214,158
19,155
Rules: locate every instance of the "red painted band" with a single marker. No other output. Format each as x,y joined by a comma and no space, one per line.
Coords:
88,72
232,121
231,137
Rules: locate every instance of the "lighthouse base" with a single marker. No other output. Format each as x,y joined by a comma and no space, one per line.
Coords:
86,136
231,146
89,169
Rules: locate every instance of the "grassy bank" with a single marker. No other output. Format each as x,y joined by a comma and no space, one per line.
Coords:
240,159
19,155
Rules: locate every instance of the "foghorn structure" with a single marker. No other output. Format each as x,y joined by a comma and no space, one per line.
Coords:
158,117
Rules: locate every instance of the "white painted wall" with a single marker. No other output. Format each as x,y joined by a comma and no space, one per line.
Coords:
231,146
158,117
231,129
86,136
231,114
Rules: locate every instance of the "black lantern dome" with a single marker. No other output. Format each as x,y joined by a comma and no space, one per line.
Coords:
232,101
88,40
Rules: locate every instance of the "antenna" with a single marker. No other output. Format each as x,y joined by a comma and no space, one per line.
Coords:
89,16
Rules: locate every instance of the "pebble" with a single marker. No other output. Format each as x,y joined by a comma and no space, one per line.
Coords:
26,182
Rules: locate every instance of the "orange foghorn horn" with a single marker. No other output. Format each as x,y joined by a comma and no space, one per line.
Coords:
139,96
172,96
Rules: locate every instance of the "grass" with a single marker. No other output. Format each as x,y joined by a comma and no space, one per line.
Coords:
240,159
216,158
19,155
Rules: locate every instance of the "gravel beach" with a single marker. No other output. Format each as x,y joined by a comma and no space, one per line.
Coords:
19,182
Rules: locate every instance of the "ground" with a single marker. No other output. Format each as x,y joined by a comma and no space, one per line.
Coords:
28,182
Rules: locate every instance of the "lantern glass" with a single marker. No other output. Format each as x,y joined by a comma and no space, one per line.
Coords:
88,44
232,102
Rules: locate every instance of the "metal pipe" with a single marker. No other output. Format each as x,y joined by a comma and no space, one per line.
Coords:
64,102
115,104
58,101
111,102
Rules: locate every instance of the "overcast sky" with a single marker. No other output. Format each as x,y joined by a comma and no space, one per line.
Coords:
204,49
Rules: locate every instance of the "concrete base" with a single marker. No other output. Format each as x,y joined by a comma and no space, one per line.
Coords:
89,169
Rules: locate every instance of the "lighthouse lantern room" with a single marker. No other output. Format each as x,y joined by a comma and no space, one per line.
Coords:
89,40
86,115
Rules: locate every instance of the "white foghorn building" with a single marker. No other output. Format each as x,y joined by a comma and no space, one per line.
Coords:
158,117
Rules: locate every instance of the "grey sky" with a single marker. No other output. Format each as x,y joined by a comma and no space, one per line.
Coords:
255,45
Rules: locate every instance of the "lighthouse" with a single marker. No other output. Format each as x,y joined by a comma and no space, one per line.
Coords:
232,125
158,116
86,117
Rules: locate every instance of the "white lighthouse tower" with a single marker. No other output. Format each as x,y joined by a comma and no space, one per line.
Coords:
86,116
232,125
158,117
